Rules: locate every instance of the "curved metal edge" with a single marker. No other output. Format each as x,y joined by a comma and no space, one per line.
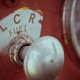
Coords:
15,46
64,22
26,59
73,29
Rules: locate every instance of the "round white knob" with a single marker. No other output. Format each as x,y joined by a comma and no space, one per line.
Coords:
44,59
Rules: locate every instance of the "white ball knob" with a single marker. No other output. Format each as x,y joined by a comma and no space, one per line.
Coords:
44,59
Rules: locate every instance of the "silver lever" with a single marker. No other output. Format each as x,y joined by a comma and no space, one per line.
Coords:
42,59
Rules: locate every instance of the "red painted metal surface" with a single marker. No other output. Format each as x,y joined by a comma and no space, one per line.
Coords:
11,3
52,25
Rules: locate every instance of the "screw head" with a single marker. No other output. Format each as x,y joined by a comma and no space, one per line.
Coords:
11,3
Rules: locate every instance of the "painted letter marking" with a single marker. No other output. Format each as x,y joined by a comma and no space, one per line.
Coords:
32,17
16,22
3,29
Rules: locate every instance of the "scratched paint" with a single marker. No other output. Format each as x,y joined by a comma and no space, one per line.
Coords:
22,21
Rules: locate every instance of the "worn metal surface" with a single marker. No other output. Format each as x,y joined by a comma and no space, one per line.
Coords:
44,60
66,20
15,48
75,26
71,24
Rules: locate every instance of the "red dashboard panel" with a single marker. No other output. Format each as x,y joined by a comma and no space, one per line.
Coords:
52,26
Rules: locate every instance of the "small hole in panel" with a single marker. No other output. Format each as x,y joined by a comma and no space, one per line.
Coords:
13,1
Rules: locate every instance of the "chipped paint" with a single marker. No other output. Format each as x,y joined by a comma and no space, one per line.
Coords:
24,8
